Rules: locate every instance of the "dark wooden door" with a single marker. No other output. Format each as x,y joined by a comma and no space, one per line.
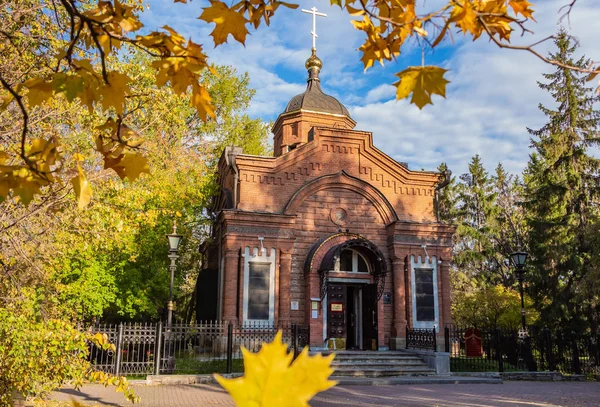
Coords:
336,311
369,316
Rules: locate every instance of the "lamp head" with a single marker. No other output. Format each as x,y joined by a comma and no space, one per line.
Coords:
174,239
519,259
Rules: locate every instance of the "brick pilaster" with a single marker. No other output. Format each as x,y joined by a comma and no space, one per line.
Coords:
285,274
399,297
446,300
230,289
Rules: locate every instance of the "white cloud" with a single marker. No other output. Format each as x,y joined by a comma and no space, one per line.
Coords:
491,101
493,96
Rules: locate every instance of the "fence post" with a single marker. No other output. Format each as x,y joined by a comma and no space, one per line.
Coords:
434,340
549,357
119,350
576,365
406,336
157,352
295,339
229,347
447,339
499,352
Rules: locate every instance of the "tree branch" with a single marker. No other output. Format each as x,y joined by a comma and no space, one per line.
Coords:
529,48
19,100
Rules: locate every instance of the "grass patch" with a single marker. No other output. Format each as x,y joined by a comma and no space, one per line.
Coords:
479,365
196,366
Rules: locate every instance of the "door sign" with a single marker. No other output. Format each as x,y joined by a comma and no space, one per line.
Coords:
337,307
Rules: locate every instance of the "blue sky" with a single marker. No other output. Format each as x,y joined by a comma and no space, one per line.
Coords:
491,100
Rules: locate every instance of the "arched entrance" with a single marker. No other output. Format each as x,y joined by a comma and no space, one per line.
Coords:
351,273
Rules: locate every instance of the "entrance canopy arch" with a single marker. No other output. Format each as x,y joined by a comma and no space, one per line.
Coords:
370,252
323,255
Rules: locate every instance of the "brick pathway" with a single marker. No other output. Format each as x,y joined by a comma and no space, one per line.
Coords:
509,394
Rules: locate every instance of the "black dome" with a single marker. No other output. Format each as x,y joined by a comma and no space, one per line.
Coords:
313,98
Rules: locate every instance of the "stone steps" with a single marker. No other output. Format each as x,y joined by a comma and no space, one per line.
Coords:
377,359
383,372
372,364
388,364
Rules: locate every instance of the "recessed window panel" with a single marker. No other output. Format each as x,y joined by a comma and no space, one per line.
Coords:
258,290
424,294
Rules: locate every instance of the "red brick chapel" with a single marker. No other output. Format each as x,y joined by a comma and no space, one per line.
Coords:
330,233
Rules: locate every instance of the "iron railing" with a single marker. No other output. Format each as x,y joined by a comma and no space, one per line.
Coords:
506,350
208,347
421,338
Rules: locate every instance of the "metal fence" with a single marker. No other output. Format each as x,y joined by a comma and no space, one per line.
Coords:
421,338
208,347
510,350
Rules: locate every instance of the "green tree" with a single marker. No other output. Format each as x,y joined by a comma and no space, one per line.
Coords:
110,260
561,191
446,197
474,245
490,308
507,229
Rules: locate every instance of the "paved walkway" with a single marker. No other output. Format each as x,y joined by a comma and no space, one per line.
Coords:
509,394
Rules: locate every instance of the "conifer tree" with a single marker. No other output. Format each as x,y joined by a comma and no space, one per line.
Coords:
561,182
446,198
473,246
507,227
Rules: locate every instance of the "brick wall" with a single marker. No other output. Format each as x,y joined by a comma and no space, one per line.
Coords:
314,222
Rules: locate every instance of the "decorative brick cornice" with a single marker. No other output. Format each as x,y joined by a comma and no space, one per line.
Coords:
242,223
259,231
421,240
343,180
417,234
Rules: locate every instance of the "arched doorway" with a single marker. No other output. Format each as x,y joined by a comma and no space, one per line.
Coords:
351,281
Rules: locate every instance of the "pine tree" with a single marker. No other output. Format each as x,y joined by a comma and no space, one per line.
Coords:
446,198
561,187
476,207
507,228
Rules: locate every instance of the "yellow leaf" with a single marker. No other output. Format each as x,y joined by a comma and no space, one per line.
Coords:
4,188
422,82
82,188
522,7
355,11
270,380
39,91
201,100
465,17
133,165
227,20
5,100
113,94
288,5
26,191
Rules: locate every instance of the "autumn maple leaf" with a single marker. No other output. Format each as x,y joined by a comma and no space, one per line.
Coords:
422,82
227,20
270,380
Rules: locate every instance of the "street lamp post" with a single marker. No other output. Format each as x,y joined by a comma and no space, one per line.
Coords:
519,259
174,240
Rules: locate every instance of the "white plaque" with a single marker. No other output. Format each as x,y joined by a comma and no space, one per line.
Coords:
295,305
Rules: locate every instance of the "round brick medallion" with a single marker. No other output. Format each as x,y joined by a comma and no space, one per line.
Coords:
339,216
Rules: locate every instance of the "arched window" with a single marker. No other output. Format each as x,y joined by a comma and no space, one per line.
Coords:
351,261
